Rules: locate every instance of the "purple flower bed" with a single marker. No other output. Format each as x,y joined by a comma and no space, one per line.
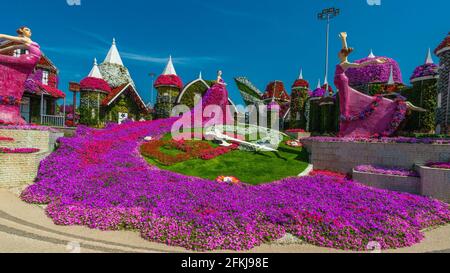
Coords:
109,187
439,165
387,171
441,141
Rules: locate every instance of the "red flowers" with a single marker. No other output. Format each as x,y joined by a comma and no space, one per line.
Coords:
169,80
95,84
9,100
187,150
6,139
18,150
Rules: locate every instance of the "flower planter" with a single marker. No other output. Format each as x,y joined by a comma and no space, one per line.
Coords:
435,183
406,184
299,135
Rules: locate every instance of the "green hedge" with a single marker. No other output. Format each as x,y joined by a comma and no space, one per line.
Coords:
422,94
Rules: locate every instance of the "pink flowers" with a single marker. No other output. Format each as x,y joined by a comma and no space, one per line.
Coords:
110,186
439,165
386,171
374,73
169,80
18,150
95,84
6,139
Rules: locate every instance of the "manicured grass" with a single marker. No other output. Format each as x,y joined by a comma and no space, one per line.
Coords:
250,167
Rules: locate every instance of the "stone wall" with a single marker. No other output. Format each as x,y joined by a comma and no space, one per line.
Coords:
389,182
42,140
435,183
21,169
343,157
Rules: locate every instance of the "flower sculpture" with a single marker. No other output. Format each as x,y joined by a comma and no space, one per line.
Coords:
230,180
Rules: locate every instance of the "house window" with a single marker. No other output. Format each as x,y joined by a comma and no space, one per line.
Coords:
45,77
439,100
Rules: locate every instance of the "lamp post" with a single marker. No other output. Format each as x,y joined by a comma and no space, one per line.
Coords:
328,14
152,75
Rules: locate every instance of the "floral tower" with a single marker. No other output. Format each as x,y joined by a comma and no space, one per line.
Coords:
113,70
322,110
376,78
443,52
93,90
423,94
169,86
299,96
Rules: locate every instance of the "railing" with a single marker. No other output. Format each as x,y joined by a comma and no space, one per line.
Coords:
57,121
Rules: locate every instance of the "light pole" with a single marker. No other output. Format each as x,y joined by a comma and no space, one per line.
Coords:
328,14
152,75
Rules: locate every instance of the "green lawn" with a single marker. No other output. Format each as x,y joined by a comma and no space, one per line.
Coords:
250,167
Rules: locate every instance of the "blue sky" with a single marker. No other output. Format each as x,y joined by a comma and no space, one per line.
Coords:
263,40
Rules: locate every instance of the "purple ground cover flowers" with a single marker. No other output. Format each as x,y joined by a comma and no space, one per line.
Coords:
108,186
387,171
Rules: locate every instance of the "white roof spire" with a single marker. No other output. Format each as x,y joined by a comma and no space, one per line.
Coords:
371,55
429,59
300,77
170,69
391,77
113,56
95,72
319,85
200,76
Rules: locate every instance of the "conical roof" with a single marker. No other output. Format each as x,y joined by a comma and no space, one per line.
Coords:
169,77
95,72
427,71
113,56
170,69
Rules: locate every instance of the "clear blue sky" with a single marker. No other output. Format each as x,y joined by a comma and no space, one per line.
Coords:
263,40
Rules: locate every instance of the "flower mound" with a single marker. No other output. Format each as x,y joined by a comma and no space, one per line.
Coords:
109,187
91,83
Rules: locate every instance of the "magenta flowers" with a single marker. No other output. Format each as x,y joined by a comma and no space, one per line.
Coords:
386,171
109,187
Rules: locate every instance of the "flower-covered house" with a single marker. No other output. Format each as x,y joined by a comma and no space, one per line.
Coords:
41,95
322,110
172,92
443,52
423,93
108,93
299,97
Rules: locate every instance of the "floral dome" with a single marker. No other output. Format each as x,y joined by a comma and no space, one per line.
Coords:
300,83
374,73
443,46
169,77
91,83
427,71
318,92
277,91
169,80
